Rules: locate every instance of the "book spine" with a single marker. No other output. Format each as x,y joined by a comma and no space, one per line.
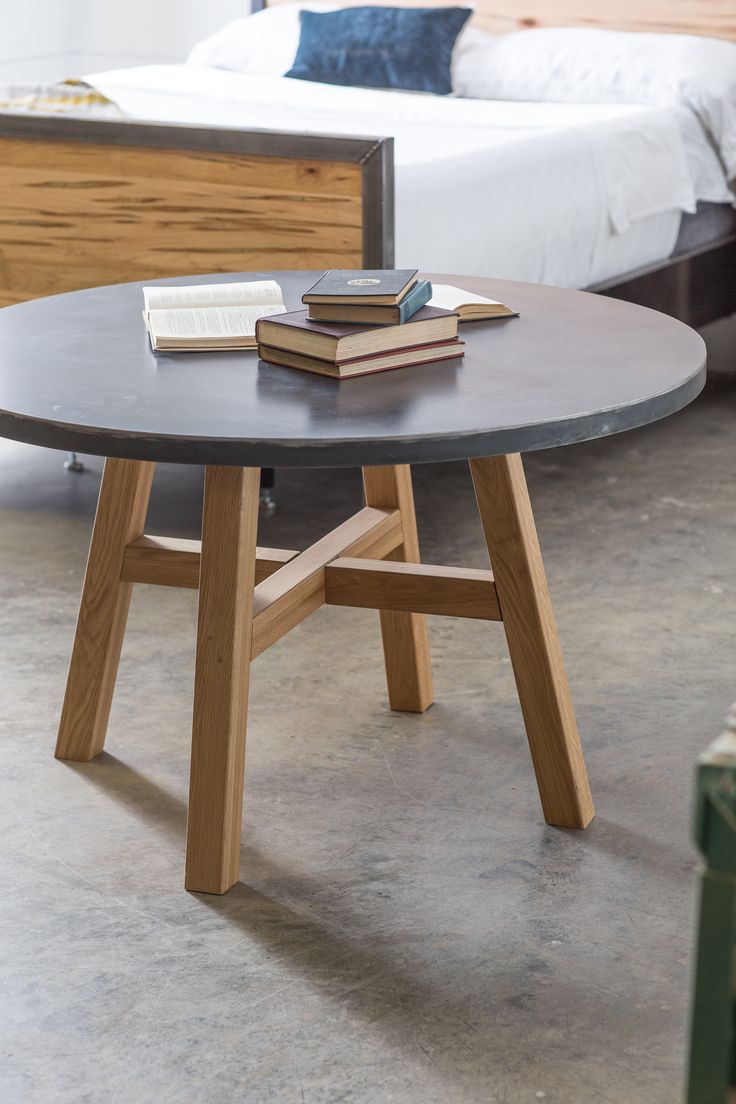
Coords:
449,343
397,367
369,371
417,298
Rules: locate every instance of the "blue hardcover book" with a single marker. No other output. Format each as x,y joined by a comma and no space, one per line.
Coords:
378,286
417,297
414,300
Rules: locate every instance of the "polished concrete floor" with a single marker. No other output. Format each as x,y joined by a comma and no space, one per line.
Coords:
407,930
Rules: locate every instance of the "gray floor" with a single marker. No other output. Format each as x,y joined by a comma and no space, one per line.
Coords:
407,930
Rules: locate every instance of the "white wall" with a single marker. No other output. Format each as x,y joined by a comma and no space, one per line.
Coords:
129,32
32,35
42,39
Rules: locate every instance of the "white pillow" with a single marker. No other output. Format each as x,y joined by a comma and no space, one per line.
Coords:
581,65
267,41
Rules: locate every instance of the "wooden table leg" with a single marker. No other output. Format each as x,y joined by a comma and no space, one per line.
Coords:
405,641
226,581
521,586
103,611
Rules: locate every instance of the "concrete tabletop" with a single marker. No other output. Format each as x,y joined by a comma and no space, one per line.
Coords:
77,373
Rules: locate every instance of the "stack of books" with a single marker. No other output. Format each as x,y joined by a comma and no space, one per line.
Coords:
356,322
361,321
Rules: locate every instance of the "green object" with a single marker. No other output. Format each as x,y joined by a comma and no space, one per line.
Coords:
713,1035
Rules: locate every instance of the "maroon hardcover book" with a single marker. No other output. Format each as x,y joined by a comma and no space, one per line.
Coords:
408,357
297,332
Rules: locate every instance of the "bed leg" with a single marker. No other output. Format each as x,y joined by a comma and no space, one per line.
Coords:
73,463
267,499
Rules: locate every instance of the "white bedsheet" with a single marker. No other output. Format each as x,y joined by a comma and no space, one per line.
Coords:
565,194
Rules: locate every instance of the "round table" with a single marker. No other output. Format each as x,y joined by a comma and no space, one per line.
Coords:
77,373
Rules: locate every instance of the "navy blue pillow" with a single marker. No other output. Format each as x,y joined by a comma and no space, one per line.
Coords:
375,47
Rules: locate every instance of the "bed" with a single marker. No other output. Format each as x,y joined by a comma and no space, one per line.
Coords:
177,184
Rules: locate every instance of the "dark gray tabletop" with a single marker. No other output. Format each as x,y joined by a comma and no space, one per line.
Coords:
77,372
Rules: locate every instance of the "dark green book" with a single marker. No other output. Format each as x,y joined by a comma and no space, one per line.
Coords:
384,287
413,301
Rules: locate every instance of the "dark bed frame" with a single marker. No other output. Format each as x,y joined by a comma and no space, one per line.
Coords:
697,286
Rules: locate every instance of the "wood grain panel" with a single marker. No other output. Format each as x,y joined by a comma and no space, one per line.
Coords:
716,18
405,639
103,610
77,214
174,561
229,524
415,588
531,633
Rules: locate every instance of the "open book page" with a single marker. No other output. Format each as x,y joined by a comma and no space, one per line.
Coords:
450,298
253,293
208,327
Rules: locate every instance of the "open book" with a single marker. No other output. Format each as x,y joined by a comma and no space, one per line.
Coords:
466,304
209,316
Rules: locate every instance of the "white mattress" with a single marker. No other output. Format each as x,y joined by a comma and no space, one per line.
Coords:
565,194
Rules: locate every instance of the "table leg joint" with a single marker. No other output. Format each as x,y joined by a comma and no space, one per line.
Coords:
297,589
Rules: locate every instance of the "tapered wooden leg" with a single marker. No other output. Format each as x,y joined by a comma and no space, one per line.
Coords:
103,612
521,587
226,580
405,641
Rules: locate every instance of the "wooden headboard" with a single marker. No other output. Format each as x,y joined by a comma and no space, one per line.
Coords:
715,18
